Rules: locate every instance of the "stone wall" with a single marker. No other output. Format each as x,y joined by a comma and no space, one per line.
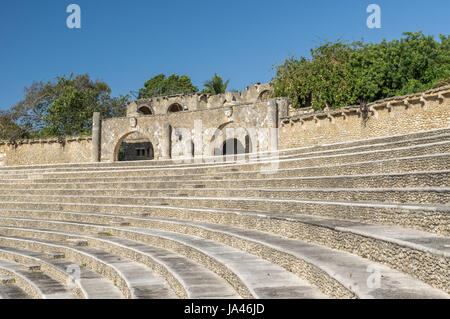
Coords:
46,151
198,101
200,130
203,130
398,115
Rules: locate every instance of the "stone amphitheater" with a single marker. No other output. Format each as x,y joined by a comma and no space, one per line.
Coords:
352,218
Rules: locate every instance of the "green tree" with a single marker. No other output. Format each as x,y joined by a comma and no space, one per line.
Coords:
9,130
65,107
162,86
342,74
215,85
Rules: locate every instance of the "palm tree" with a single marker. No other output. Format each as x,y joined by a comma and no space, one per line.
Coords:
215,85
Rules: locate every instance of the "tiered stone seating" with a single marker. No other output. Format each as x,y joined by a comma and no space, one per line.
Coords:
312,222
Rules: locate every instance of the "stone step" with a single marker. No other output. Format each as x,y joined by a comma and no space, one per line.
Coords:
83,282
11,291
197,281
31,267
432,218
77,242
261,278
256,158
363,147
350,270
368,142
54,255
385,166
317,161
133,279
430,195
395,180
363,142
35,284
6,280
402,249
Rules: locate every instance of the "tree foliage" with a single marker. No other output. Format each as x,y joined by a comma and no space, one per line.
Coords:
342,74
8,127
65,107
215,85
161,85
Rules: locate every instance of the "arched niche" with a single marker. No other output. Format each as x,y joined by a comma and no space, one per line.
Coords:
264,96
145,110
174,108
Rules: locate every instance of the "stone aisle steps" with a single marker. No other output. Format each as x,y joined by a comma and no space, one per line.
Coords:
11,291
133,279
89,285
351,271
269,281
403,249
262,278
34,283
196,281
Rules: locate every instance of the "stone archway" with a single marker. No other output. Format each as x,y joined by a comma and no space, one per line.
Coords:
230,133
133,146
264,96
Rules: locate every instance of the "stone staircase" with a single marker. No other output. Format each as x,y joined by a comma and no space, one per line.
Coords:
362,219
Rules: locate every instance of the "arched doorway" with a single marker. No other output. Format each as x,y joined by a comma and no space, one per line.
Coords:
135,147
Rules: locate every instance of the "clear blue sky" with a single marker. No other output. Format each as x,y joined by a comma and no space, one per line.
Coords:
126,42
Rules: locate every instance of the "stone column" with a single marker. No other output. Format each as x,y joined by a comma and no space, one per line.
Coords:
283,107
272,123
166,141
96,136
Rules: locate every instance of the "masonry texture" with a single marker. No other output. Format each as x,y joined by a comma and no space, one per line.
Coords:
360,218
199,125
46,151
397,115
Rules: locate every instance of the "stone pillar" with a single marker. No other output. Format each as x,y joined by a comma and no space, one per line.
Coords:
283,107
272,123
96,136
166,141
